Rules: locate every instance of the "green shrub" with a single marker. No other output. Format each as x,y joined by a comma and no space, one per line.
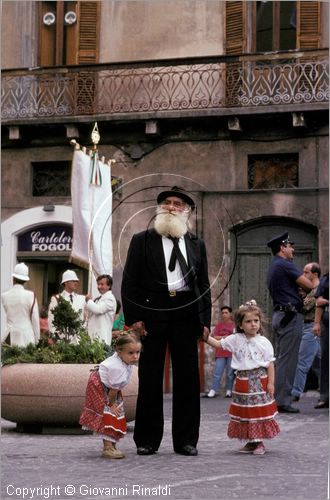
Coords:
66,321
69,344
87,351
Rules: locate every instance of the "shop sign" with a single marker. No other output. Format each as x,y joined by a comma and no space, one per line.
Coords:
46,239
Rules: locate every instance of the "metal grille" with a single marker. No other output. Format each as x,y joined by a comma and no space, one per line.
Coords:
273,171
51,178
242,81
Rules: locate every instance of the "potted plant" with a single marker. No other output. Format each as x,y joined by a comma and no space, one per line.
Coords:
44,384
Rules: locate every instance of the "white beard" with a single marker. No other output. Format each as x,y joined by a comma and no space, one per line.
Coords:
171,224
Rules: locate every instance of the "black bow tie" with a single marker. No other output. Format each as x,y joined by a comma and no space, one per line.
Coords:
177,255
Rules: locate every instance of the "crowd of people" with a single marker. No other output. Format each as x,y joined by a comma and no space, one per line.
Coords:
166,303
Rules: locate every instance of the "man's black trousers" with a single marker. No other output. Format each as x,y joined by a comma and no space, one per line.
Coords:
178,328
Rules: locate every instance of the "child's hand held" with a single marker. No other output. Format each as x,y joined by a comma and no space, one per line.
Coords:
116,410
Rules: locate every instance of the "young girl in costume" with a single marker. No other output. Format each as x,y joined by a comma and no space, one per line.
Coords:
253,407
103,411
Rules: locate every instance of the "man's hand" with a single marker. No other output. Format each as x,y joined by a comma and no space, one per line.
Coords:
139,328
317,329
322,302
88,297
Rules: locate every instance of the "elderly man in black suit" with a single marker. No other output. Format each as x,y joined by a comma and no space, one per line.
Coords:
166,298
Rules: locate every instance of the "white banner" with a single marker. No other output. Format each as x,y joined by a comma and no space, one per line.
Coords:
92,213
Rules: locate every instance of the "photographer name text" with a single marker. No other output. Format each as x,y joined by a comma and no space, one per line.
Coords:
86,490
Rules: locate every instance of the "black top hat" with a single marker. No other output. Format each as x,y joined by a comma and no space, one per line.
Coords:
282,239
179,193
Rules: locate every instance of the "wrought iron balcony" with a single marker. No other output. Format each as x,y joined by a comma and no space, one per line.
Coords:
190,87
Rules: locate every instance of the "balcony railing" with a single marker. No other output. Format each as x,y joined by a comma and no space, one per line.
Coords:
155,87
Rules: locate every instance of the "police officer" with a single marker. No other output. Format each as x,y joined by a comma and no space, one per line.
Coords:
283,281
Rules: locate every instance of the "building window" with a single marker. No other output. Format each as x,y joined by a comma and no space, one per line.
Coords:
275,26
51,178
267,26
72,34
273,171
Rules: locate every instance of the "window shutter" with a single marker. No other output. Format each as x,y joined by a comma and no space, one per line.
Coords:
47,36
235,44
88,53
89,18
308,33
235,27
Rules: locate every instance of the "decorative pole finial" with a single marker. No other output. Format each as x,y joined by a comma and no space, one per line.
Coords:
95,135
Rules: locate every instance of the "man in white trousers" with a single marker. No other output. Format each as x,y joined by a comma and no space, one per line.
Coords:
102,310
22,313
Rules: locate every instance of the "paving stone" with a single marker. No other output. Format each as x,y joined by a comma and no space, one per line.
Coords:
64,466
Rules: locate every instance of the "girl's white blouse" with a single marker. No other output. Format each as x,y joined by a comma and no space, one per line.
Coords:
114,373
248,353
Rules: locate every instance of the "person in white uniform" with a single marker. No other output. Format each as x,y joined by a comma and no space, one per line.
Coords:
70,282
101,311
22,313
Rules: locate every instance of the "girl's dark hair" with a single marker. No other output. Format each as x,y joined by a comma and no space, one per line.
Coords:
248,307
126,338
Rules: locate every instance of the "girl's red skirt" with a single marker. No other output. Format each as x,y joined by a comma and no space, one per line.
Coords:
252,410
96,416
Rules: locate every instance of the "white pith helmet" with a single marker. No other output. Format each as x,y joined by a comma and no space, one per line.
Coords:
21,272
69,276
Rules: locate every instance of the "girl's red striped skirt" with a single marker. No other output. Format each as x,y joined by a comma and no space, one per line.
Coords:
96,416
252,410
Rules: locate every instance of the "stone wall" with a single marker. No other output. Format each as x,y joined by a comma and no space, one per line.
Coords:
133,31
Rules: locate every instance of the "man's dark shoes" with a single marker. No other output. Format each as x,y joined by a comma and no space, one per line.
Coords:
321,404
145,450
287,409
187,450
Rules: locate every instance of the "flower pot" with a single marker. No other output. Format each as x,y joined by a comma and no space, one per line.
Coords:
52,394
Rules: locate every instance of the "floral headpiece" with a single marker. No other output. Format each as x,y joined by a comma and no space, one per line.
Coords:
251,302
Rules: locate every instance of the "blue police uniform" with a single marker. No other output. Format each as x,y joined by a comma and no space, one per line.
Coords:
281,282
287,321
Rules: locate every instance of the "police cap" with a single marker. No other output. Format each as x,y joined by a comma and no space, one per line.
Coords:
282,239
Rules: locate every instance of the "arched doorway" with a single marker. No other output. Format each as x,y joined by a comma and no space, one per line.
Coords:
45,267
252,256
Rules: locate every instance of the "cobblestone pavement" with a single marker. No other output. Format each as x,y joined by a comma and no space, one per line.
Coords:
69,466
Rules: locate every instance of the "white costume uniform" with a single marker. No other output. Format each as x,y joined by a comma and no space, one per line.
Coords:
22,313
78,304
101,316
